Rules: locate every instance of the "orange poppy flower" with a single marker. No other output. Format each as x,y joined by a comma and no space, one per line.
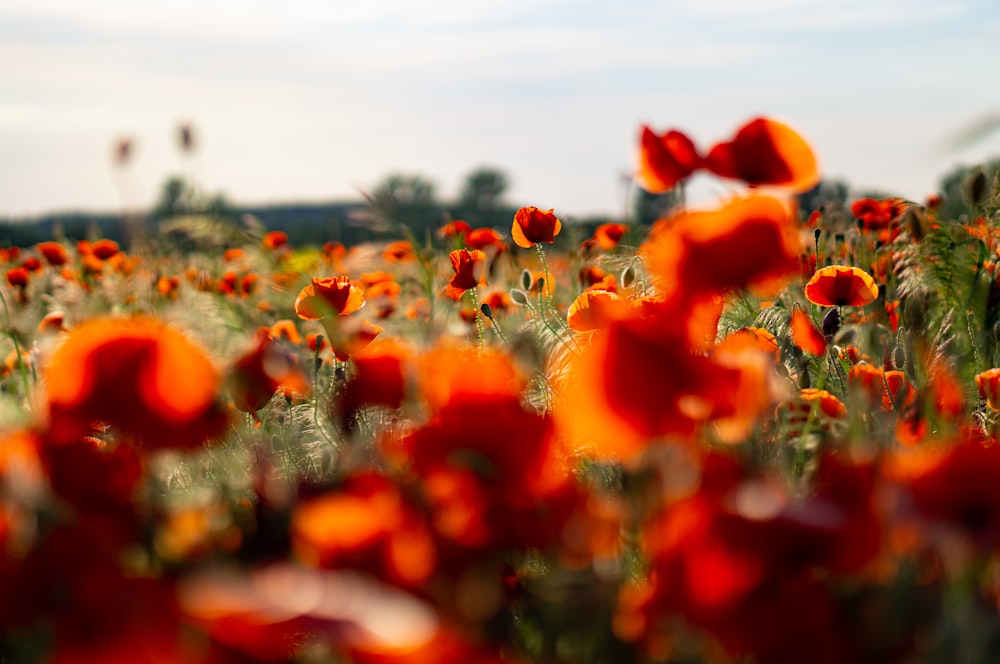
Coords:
285,329
52,322
805,335
608,236
532,225
751,337
256,376
104,249
829,405
380,378
841,286
481,238
351,337
137,374
960,489
232,255
455,228
365,524
329,296
399,251
593,309
766,152
55,254
748,242
274,240
505,485
988,383
470,268
665,160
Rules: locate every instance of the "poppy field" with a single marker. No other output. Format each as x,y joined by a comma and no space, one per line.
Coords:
750,432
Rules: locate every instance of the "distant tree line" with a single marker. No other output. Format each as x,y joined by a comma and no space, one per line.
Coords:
185,216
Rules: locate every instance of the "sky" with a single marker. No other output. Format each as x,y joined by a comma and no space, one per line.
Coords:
317,100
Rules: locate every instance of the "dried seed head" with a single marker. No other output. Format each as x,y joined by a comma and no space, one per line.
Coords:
975,187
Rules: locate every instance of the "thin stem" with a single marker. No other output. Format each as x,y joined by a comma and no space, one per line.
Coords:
17,350
479,320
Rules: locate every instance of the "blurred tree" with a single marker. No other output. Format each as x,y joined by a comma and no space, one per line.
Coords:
647,207
954,188
407,200
828,196
483,189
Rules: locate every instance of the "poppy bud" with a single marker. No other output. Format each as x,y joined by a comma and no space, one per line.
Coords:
517,296
487,310
831,323
898,358
996,330
628,277
526,280
975,188
816,234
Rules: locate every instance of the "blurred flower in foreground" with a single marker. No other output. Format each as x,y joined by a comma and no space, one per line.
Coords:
137,374
665,160
766,152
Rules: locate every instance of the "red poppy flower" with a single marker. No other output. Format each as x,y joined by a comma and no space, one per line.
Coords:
381,373
399,251
469,267
366,524
17,277
55,254
960,489
532,225
594,309
104,249
608,236
752,337
841,286
988,383
256,376
748,242
665,160
329,296
827,403
481,238
766,152
455,228
137,374
805,335
274,240
350,336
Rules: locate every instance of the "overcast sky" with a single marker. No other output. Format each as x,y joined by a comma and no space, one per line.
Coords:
313,100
